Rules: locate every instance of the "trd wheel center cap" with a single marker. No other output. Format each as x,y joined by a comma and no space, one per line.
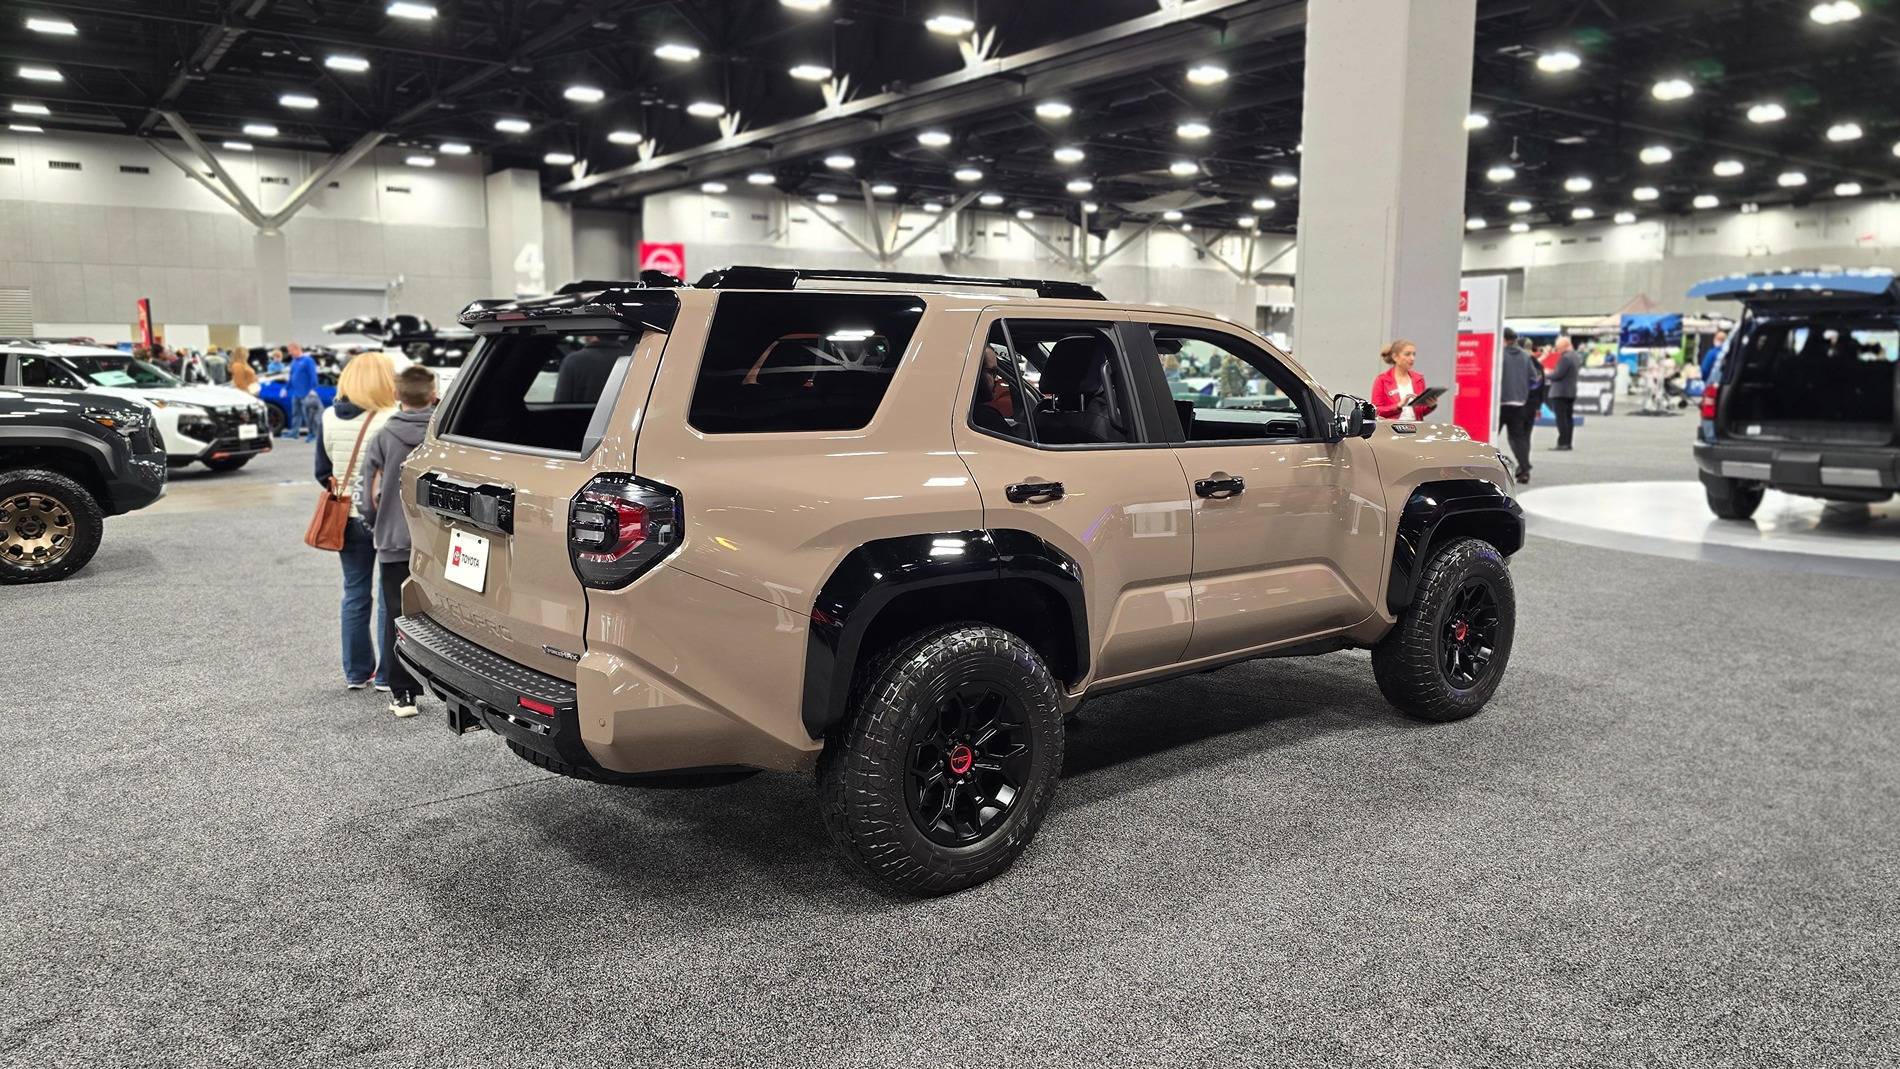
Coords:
961,759
29,528
1460,631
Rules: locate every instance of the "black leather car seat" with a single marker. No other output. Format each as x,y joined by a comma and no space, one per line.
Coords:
1076,407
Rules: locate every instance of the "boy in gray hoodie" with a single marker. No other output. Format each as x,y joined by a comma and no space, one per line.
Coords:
382,478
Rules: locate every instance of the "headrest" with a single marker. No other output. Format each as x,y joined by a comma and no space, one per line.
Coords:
1077,365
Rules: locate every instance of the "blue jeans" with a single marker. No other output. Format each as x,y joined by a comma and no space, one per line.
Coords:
359,583
296,417
312,414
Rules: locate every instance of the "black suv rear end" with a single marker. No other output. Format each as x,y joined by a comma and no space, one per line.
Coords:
1805,395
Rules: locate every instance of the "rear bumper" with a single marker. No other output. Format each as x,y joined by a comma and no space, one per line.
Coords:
483,689
1847,473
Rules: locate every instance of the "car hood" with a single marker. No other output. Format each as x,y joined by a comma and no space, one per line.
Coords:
208,396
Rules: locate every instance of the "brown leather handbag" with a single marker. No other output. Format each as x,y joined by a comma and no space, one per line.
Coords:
333,509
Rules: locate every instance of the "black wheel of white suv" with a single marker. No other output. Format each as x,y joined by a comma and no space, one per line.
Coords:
946,762
50,526
1445,656
1732,499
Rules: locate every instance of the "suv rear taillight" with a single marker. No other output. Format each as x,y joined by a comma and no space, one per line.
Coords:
1708,400
619,526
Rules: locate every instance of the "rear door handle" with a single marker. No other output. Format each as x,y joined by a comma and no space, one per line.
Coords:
1220,486
1022,493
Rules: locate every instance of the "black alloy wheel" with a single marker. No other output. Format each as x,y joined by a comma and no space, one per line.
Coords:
969,763
1469,636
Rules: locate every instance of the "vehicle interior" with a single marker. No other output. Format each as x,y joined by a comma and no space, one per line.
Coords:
1816,378
539,390
786,362
1054,381
1222,395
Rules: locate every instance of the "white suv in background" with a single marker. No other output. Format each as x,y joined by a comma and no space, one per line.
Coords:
220,426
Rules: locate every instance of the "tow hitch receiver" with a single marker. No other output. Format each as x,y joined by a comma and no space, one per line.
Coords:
463,718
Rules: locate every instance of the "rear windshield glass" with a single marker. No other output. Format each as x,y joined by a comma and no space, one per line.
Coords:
540,390
800,361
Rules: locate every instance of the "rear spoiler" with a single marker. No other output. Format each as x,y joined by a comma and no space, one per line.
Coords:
1783,288
617,303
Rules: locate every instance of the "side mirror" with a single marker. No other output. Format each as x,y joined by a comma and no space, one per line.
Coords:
1353,418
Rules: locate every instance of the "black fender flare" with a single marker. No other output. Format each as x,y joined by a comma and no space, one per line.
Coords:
1480,506
873,575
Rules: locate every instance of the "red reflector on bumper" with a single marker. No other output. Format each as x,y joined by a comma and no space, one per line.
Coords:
535,707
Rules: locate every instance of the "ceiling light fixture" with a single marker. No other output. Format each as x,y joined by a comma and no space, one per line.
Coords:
949,25
811,72
1476,222
827,198
705,109
1625,218
238,146
352,64
584,94
1089,207
1054,109
1193,130
933,207
969,174
1246,222
297,100
1672,89
1264,204
1079,185
1518,207
675,52
761,178
1645,193
1578,184
31,109
25,128
420,161
1025,214
1207,74
1520,228
1583,213
1706,201
1184,168
1847,189
1172,216
1558,62
513,126
1070,154
626,137
990,200
60,27
1728,168
1791,179
933,139
1501,173
260,129
405,9
1844,131
884,189
714,188
453,148
41,74
1767,113
806,5
1284,180
1656,154
558,159
1476,121
1833,12
840,162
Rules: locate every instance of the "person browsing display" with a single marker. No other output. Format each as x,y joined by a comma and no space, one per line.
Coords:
1399,392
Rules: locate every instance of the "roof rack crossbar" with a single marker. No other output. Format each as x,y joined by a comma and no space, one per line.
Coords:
786,278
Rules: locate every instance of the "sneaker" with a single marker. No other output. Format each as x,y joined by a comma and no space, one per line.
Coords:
403,708
358,684
383,688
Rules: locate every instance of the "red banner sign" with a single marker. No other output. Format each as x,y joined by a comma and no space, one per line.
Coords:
145,322
668,257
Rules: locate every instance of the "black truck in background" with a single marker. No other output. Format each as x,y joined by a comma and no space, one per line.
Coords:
69,459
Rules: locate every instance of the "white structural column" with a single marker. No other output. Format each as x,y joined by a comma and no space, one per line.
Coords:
271,279
517,249
1382,186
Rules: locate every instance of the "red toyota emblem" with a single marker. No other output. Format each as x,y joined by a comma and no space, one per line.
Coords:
961,758
457,558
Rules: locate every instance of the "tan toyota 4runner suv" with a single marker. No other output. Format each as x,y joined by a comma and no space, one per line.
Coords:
894,529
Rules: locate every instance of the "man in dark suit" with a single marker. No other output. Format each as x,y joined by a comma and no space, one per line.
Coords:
1563,390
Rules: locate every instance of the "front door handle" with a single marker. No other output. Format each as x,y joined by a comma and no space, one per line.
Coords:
1023,493
1219,486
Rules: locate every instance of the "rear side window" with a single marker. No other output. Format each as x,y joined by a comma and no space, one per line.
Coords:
800,361
542,391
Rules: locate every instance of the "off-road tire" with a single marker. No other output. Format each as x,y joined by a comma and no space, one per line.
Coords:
1733,499
228,463
863,772
1408,661
685,778
87,518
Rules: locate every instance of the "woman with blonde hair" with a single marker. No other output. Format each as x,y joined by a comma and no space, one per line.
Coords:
365,399
1394,389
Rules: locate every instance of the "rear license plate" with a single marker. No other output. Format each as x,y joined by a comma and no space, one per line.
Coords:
468,560
247,431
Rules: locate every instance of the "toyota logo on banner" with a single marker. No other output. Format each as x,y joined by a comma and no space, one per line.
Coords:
663,256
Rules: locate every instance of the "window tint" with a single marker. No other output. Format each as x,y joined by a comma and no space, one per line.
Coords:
38,371
540,390
1054,382
1226,389
800,361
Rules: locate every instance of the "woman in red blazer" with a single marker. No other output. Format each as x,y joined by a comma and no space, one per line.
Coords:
1394,388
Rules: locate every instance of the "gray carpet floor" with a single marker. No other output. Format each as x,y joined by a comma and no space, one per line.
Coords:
1671,840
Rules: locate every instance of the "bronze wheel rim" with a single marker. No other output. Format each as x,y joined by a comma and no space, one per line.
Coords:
36,530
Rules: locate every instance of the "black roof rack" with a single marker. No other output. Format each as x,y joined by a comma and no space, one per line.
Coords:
785,278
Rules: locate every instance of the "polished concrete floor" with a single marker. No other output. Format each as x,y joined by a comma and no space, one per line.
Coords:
1669,841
